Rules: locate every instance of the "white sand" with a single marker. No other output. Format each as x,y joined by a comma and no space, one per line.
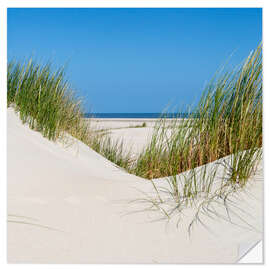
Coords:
109,123
134,139
81,198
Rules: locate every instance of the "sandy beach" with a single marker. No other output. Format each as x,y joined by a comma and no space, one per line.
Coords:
134,138
71,205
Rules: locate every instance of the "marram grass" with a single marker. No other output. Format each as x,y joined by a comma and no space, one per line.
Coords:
226,122
46,102
228,133
44,99
230,121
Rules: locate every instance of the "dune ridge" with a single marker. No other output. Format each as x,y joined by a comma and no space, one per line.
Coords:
71,205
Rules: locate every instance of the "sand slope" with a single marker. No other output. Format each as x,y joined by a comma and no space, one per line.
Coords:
67,205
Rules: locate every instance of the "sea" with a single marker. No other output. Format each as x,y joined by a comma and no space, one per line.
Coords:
137,115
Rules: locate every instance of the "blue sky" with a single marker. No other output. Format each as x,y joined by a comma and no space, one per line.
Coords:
135,60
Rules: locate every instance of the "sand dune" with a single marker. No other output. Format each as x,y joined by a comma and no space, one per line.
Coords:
70,205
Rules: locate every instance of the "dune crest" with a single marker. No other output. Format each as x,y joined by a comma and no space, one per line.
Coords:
68,205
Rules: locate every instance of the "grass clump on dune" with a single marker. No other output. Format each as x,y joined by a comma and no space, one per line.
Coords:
227,120
44,99
216,150
46,102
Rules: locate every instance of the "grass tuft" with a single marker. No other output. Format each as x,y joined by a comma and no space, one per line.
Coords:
227,120
44,99
216,150
46,102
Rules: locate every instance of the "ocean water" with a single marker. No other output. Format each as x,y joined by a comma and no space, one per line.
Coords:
137,115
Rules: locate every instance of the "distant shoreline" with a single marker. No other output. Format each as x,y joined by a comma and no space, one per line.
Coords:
128,120
136,115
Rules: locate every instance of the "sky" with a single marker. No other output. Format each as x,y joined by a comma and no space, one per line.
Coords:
135,60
